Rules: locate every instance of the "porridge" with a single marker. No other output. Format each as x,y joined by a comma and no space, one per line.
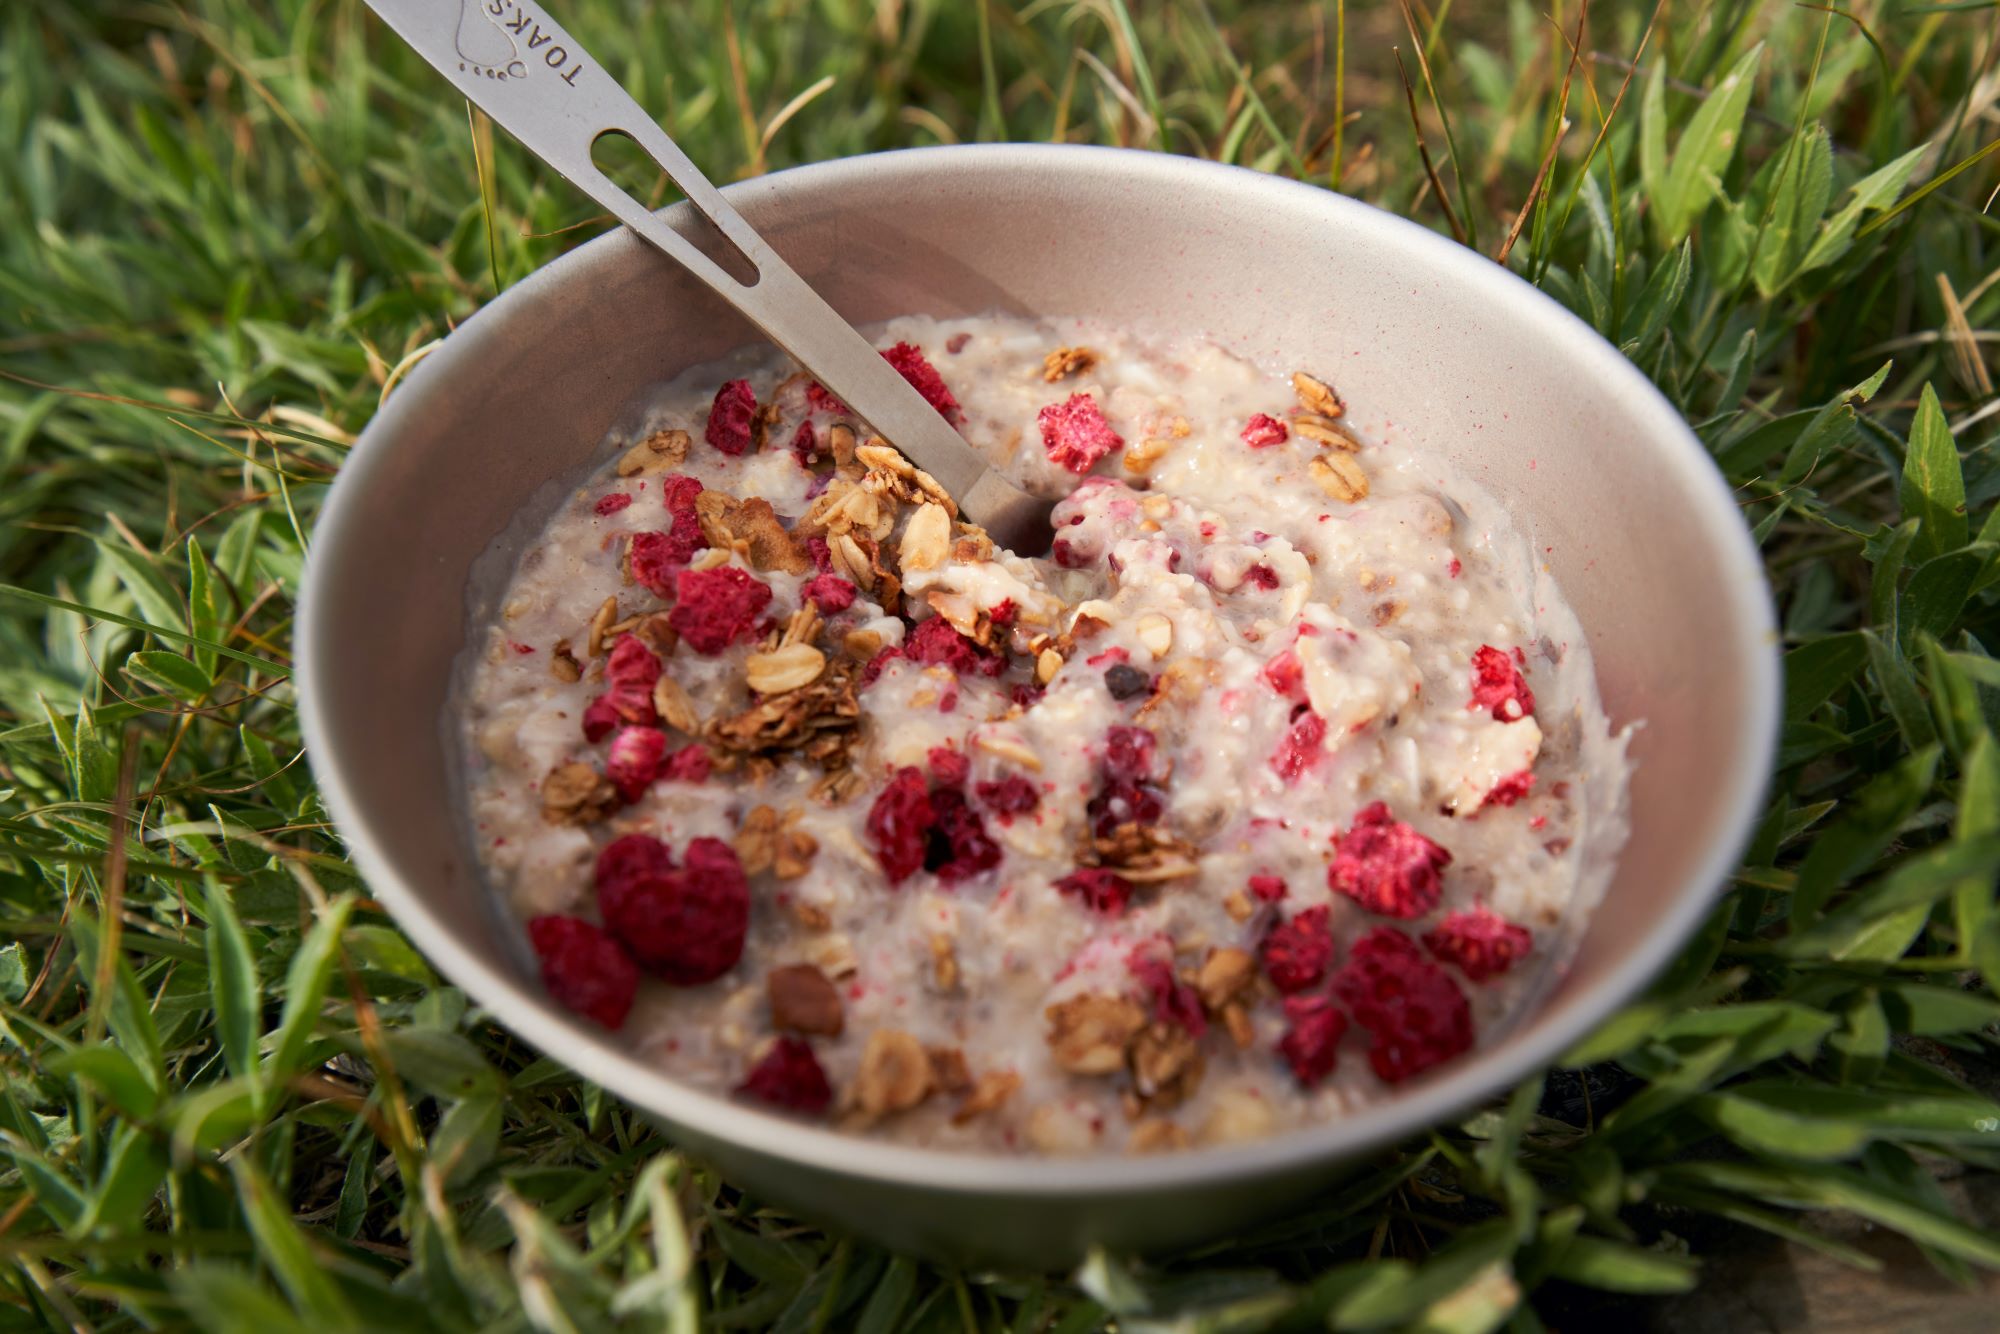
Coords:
1272,786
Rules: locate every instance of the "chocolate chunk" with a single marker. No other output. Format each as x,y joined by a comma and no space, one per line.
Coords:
1124,681
803,1001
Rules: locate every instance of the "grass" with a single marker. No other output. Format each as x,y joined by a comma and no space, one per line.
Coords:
234,1097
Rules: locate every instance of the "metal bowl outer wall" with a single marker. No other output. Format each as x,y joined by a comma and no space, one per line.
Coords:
1425,338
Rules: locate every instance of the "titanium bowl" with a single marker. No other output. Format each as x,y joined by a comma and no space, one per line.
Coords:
1639,530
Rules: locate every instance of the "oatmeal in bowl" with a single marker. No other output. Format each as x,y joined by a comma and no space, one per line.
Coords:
1271,787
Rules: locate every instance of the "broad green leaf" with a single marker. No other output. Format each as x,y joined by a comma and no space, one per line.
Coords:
1616,1266
170,674
1463,1261
1814,671
1823,1186
1861,835
295,1262
305,986
1936,595
159,603
1862,1044
1933,488
1804,187
1978,816
441,1063
466,1138
357,1190
222,1299
13,974
1659,299
134,1168
1874,192
57,1195
1705,149
1829,428
1653,132
1932,1011
1900,695
114,1072
204,606
233,984
129,1014
891,1298
273,776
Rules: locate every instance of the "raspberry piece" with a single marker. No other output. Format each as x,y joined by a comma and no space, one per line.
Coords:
899,824
717,607
678,492
789,1076
609,505
689,764
1075,434
1415,1016
1125,682
819,400
1386,866
1262,575
1303,745
600,716
911,364
1497,685
934,641
1262,431
1285,674
1009,797
805,444
958,847
1311,1045
828,592
1025,695
821,553
631,858
656,556
1482,943
1510,789
631,671
686,925
632,664
1128,753
634,760
1267,888
1174,1001
878,664
730,416
1298,952
1003,613
1067,555
949,767
1125,796
1102,891
584,969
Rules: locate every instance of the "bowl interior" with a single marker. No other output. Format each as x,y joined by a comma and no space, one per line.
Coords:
1424,339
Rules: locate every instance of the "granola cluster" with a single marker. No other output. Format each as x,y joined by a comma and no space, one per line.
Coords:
1223,816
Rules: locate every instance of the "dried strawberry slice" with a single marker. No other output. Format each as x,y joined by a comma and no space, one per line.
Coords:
685,925
730,417
1263,431
1311,1044
1415,1015
899,824
717,607
789,1076
584,969
1482,943
1386,866
1497,685
1075,434
1298,952
1102,891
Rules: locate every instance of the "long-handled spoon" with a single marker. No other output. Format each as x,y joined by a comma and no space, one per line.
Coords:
519,67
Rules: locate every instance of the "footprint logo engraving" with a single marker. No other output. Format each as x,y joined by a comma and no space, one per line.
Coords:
483,47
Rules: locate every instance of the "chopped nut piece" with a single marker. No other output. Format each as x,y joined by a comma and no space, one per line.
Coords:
804,1001
1317,395
796,850
1224,976
1141,456
1156,1134
756,840
657,633
991,1090
810,915
1238,1115
1332,434
1089,1034
1067,361
1143,854
563,664
662,451
861,644
1166,1065
927,539
840,442
1180,430
1339,476
1239,906
674,705
949,1073
895,1073
575,793
1047,663
791,667
1236,1018
944,961
600,625
835,956
1156,632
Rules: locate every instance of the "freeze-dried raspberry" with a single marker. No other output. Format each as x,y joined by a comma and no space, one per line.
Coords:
678,492
655,557
1025,695
805,444
690,764
1262,431
899,824
935,642
1101,890
1303,744
821,553
1285,674
828,592
1268,888
632,664
629,859
1311,1045
1111,657
958,847
872,671
1009,797
717,607
608,505
630,673
1415,1015
911,364
949,766
1482,943
1174,1001
1386,866
1497,685
730,416
600,716
1068,555
1262,575
1003,613
584,969
1075,434
819,400
634,760
686,925
1510,789
1126,796
1129,753
789,1076
1298,952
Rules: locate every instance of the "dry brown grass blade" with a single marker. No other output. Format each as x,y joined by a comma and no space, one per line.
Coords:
1424,150
1555,142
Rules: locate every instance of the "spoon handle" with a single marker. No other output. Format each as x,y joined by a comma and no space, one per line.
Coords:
519,67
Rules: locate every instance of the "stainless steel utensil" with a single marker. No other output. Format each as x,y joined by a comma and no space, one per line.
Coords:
1429,343
518,66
